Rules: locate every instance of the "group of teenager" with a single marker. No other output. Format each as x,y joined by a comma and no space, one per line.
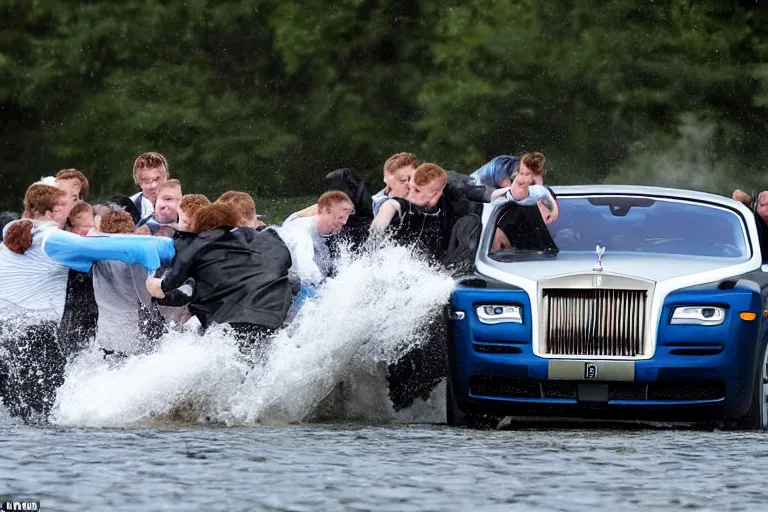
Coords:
124,271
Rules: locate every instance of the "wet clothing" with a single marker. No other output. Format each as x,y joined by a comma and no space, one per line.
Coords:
526,230
31,369
143,205
119,290
157,228
464,196
241,276
34,281
492,173
430,229
37,280
417,371
310,254
47,310
536,193
77,327
378,199
459,257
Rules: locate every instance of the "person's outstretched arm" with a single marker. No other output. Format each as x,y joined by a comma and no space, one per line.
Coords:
80,252
386,213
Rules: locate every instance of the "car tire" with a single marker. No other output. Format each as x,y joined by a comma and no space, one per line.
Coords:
455,417
756,417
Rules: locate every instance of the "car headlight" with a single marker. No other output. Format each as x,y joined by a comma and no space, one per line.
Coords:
498,313
698,315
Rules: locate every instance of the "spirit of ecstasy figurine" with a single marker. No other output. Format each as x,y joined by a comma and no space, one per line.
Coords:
600,250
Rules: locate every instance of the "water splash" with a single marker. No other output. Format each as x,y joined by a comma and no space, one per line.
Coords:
330,363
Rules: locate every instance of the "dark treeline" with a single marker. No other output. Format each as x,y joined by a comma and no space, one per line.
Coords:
269,95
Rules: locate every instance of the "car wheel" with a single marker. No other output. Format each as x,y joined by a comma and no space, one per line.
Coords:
455,417
756,417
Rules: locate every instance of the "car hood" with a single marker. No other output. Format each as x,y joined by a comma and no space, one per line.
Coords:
653,267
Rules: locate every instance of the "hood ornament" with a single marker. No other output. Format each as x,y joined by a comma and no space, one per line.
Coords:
600,250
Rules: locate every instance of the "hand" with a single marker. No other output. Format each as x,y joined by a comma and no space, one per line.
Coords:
499,193
379,225
155,287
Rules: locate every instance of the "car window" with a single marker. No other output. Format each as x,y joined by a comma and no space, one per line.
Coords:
631,224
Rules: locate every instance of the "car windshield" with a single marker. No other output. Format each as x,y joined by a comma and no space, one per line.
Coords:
623,223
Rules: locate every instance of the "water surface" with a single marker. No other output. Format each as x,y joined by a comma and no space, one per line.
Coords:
395,467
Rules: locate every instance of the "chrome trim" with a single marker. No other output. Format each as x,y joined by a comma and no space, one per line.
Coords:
595,322
694,315
600,250
509,313
578,318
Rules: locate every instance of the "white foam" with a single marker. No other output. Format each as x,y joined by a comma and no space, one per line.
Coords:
347,332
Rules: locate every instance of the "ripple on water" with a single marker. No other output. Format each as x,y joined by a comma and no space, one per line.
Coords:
385,468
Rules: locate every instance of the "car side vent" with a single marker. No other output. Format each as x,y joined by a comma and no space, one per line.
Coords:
728,284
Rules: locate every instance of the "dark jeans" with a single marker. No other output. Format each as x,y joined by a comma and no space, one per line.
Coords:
417,371
31,371
253,340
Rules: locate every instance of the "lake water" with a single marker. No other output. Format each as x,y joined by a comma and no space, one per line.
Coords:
389,467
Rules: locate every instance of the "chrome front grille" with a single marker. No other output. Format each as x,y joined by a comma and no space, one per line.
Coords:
595,322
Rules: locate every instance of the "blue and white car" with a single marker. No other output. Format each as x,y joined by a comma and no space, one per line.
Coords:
637,303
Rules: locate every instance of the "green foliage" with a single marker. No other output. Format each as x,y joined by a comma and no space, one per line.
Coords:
268,96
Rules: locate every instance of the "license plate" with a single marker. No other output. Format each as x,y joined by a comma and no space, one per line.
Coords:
621,371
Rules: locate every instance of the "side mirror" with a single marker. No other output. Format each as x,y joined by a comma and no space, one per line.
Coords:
764,267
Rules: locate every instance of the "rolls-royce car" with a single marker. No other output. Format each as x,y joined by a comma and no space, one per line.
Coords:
636,303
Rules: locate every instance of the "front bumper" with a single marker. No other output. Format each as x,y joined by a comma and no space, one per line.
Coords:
694,374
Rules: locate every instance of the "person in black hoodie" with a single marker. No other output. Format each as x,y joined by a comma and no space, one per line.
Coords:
241,274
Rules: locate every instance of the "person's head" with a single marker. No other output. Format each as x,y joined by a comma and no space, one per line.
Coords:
398,171
427,185
761,205
499,171
81,218
45,202
533,163
167,204
243,205
116,221
150,170
333,210
188,207
216,215
126,204
74,183
523,177
742,197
